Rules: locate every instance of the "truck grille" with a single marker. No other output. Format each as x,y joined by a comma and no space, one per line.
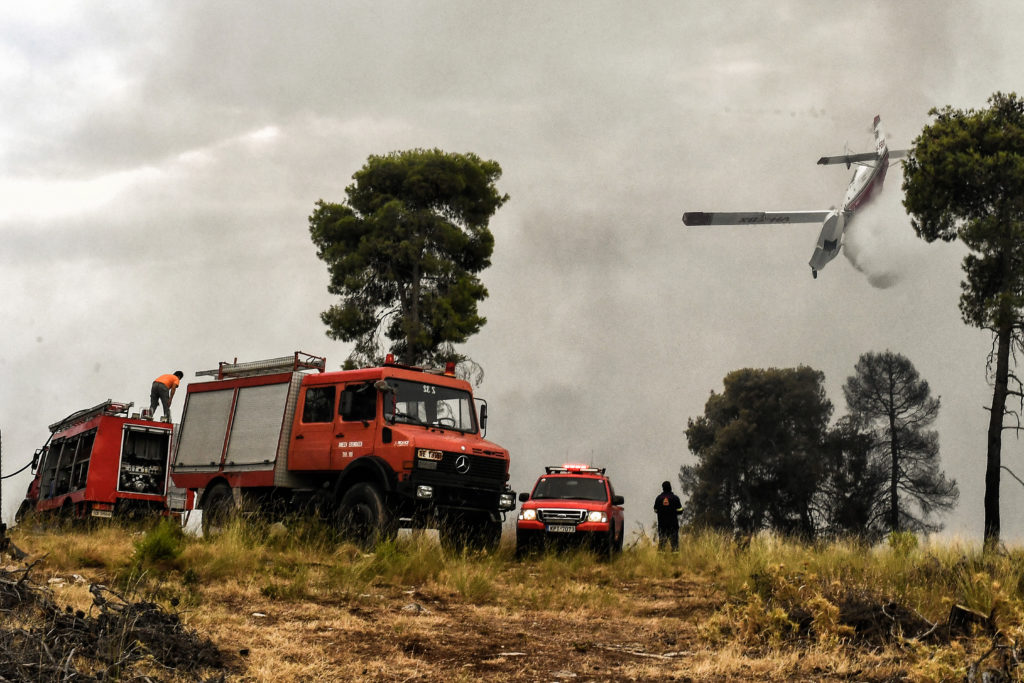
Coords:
480,466
561,515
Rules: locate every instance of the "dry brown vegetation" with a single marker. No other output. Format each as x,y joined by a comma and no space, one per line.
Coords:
296,604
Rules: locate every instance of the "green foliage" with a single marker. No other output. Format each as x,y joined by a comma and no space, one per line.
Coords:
964,179
757,447
161,545
403,252
903,542
851,498
888,399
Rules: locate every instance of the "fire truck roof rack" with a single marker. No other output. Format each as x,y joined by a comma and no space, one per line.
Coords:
573,469
108,407
297,361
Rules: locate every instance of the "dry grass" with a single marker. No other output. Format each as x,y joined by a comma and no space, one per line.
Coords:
305,606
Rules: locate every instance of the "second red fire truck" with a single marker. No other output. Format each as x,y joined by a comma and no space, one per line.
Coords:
103,462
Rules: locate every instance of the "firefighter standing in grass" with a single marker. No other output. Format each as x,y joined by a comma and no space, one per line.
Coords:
668,506
163,390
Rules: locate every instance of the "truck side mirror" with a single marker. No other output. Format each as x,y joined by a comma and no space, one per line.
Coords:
524,496
483,417
618,500
383,387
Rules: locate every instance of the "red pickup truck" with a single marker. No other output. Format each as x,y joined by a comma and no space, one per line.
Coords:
571,505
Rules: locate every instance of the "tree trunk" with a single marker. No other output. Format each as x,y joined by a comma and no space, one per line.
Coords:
894,474
894,454
995,435
412,324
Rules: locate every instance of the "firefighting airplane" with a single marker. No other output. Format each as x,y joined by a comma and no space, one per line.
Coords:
864,185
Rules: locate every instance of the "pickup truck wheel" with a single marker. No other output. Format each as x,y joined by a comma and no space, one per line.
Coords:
218,507
363,516
609,550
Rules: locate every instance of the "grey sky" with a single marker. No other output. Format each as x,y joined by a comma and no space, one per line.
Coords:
158,162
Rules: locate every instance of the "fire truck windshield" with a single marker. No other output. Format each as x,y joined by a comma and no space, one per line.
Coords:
574,488
430,405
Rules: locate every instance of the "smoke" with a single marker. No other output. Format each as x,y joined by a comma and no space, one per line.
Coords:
879,241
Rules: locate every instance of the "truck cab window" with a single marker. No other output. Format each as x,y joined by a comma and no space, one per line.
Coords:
430,405
319,404
358,403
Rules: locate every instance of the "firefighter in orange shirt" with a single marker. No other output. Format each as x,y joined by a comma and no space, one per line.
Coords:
163,390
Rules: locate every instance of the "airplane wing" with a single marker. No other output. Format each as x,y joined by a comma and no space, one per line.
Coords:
850,158
753,217
866,156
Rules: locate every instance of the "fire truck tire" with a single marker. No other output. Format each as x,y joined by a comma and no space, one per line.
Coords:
218,506
466,531
527,544
66,514
24,510
620,539
363,516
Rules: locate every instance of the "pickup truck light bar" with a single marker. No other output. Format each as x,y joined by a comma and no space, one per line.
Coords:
572,469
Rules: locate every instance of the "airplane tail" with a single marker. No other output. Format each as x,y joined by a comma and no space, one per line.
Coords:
880,144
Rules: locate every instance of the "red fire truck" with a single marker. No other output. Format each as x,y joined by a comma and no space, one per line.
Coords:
103,462
371,449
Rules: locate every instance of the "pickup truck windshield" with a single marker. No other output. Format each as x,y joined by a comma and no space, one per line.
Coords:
431,405
582,488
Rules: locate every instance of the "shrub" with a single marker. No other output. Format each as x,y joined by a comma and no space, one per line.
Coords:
161,545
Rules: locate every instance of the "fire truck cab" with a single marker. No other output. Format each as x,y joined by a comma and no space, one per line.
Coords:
571,505
104,462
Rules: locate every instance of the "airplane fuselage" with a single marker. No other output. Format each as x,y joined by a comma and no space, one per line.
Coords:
866,182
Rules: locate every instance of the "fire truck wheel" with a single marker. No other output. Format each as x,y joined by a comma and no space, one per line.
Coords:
24,510
66,515
218,506
363,516
466,531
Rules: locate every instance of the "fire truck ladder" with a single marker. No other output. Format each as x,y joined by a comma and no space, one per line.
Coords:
108,407
297,361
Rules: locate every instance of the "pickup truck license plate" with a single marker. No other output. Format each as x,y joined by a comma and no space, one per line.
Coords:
561,528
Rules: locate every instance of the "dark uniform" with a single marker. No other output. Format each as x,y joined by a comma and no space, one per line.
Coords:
668,506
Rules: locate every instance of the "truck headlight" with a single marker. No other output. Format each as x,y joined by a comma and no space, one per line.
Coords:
507,500
424,492
597,516
528,514
429,454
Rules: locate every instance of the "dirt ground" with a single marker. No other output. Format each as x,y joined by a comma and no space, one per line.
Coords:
412,635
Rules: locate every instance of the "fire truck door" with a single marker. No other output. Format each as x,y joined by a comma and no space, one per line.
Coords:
314,432
356,424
